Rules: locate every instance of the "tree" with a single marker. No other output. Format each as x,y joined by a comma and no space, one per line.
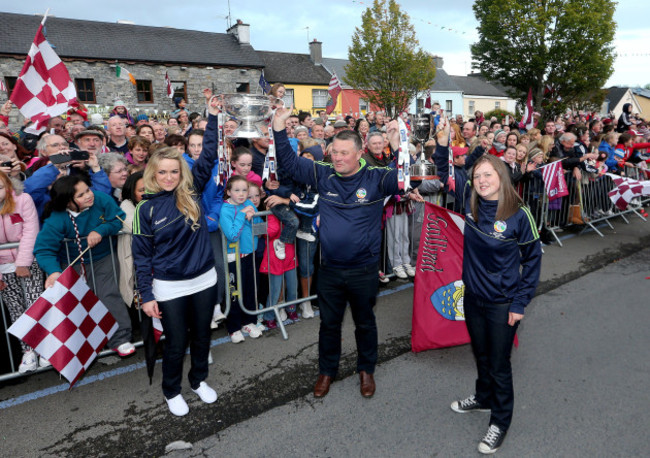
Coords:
561,48
385,66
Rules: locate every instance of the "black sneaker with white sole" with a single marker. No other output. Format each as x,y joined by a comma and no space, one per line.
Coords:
492,440
468,405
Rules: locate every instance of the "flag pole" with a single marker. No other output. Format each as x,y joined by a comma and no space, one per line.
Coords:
45,16
79,257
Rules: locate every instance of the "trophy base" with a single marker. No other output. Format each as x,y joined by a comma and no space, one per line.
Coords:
247,130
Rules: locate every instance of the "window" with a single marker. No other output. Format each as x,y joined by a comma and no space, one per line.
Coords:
288,98
243,88
449,107
85,90
179,89
471,108
10,82
497,105
319,98
363,106
145,93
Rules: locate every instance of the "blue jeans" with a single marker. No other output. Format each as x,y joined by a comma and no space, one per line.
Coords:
336,288
306,252
289,222
492,339
193,312
276,287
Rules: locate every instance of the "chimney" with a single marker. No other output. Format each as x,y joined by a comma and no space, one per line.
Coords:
241,31
438,61
316,52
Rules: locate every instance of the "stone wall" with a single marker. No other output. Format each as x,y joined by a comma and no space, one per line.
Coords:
109,88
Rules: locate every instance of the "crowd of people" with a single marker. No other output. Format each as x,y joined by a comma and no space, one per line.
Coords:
158,182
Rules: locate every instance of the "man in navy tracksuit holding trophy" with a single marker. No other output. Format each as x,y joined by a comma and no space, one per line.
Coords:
351,204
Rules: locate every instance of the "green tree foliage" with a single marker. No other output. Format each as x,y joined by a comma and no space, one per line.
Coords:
563,44
386,67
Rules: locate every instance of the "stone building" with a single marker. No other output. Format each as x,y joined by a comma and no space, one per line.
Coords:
225,62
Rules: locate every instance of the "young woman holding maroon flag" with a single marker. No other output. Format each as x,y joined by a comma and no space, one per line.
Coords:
501,265
174,265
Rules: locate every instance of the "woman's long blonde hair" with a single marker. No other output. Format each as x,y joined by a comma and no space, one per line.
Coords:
184,192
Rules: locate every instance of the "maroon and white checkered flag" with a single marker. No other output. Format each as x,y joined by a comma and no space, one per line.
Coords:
627,189
44,88
68,325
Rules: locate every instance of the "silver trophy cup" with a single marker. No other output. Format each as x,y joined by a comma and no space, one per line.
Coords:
249,109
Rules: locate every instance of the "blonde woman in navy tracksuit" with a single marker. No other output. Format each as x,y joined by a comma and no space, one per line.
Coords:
501,265
174,264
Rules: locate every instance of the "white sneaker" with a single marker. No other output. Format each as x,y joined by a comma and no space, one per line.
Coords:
210,360
283,315
42,362
126,349
29,362
278,247
177,405
305,236
400,273
207,394
214,324
236,337
261,326
252,330
410,270
218,314
307,311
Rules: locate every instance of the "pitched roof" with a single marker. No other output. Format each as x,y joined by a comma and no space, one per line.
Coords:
125,42
615,94
476,85
288,68
643,92
444,82
337,66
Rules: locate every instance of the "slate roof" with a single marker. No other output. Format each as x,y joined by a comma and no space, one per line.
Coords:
615,94
288,68
337,66
476,85
444,82
125,42
643,92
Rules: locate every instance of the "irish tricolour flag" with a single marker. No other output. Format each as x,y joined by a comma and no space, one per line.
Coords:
123,73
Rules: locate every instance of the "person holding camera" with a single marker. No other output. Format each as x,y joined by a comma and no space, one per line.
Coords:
69,162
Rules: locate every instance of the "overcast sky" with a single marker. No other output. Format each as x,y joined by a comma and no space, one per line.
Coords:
290,28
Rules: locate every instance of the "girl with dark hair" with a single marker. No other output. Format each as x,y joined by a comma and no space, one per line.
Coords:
86,219
18,155
19,221
501,266
132,192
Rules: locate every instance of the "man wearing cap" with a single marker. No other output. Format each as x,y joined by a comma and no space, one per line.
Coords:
351,206
340,125
38,185
117,133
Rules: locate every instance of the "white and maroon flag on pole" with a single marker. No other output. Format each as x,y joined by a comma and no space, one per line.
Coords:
44,88
3,88
627,189
68,325
554,182
334,90
528,120
427,99
168,85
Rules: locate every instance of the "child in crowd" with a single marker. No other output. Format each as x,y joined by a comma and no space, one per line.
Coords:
138,154
236,222
21,280
306,206
255,196
279,270
510,158
522,154
241,161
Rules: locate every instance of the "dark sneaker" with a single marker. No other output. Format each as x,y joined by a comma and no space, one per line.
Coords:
492,440
468,405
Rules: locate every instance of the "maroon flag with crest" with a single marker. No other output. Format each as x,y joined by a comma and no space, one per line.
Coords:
438,315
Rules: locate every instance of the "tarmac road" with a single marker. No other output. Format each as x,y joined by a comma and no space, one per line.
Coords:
583,398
